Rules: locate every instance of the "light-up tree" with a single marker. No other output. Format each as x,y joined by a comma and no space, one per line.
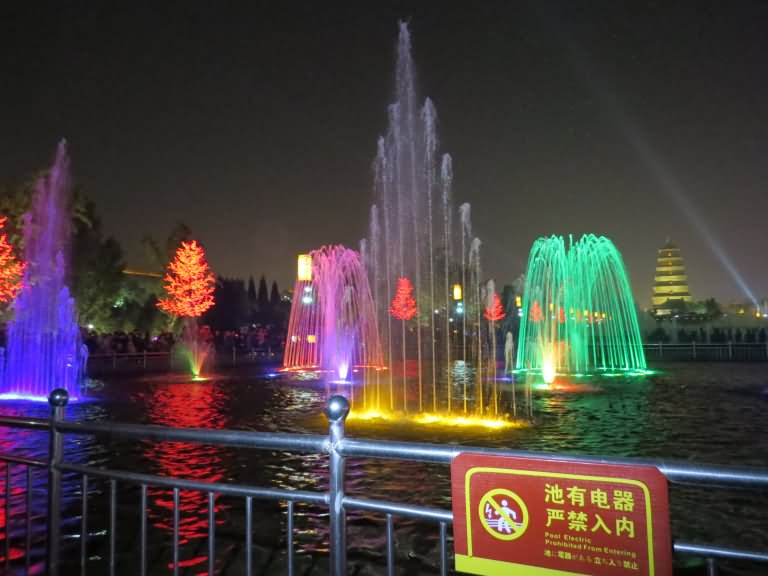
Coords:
403,305
494,312
189,285
535,313
11,269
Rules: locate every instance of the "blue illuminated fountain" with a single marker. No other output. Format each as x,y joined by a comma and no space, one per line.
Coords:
44,348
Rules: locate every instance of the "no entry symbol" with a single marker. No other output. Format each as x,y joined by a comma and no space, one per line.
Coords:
503,514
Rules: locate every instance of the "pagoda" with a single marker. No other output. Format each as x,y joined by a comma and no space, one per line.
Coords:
670,289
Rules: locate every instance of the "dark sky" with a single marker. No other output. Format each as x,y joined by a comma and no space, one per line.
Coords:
256,123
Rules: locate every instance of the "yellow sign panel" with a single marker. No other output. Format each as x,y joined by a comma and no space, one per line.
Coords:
305,268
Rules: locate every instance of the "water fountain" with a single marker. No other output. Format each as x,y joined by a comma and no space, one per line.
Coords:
196,346
436,360
332,327
578,314
44,348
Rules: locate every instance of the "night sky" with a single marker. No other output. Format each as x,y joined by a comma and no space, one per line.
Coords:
256,123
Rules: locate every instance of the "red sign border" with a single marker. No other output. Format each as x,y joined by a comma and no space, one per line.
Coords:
656,497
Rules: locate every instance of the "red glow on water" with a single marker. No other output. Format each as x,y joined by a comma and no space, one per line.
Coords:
560,385
186,405
196,561
15,553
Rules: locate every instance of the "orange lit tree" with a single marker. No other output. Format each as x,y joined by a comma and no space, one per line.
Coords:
11,269
535,312
189,284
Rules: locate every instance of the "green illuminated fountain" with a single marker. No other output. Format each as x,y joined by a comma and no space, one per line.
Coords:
578,314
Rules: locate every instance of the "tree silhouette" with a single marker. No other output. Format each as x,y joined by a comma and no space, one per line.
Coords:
263,297
251,291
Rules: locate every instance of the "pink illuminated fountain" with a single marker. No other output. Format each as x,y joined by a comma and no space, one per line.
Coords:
333,320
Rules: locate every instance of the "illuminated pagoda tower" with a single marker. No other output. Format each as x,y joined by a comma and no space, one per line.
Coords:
670,289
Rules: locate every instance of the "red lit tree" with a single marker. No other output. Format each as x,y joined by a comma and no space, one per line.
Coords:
403,305
535,313
561,315
189,283
11,270
494,312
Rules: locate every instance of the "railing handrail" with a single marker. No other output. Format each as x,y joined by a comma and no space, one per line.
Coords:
703,344
125,354
24,422
439,454
678,472
220,437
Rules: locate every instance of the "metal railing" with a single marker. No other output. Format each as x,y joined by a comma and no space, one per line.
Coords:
707,351
145,361
335,445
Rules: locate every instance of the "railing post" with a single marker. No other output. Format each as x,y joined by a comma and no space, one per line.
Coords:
58,401
336,411
694,349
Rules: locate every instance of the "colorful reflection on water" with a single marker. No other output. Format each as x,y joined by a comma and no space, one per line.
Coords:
34,445
706,413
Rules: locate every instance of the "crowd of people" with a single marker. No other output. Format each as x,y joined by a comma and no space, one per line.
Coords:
252,339
714,335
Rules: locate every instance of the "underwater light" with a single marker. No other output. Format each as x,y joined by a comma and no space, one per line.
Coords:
548,370
445,420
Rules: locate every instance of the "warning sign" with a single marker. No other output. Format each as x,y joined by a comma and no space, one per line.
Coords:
550,517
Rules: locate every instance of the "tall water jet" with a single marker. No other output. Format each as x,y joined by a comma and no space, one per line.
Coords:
578,315
412,236
44,345
332,326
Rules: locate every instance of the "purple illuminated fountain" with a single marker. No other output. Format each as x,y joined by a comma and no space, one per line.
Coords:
44,348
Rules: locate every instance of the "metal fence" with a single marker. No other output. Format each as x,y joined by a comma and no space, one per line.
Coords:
145,361
708,352
335,445
127,362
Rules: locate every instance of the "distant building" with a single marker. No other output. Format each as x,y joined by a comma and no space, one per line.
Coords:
670,288
747,309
